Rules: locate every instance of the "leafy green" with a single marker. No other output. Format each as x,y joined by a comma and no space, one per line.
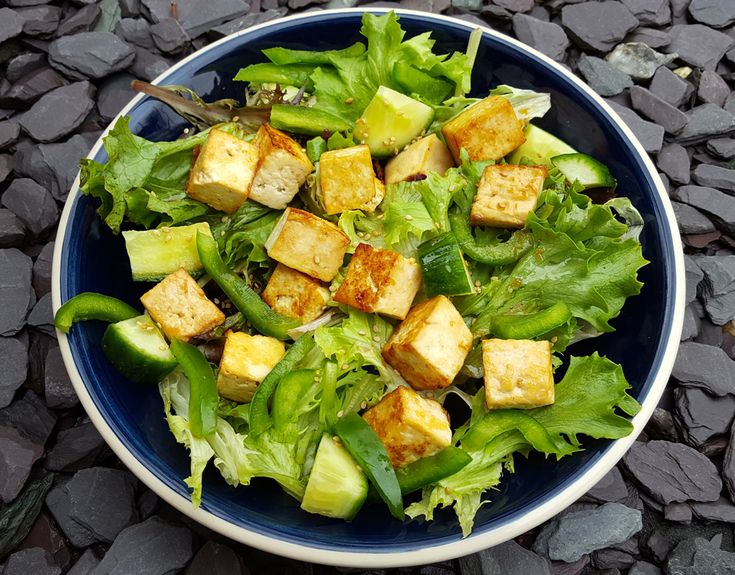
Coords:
241,237
527,104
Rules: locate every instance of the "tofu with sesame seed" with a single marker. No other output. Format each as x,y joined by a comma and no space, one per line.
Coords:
409,425
518,373
295,294
506,194
429,347
380,281
429,154
488,130
180,307
246,361
308,243
223,171
347,181
282,168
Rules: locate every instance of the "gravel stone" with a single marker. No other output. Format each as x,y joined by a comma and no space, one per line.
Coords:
670,87
650,135
704,366
603,78
153,547
610,488
114,93
217,559
45,535
147,65
9,132
37,561
508,558
700,416
193,19
76,448
83,20
691,220
11,24
656,12
135,31
7,165
728,466
661,425
42,270
721,510
689,330
515,5
42,316
720,207
24,64
32,204
673,472
715,13
678,512
698,45
644,568
638,60
129,8
700,557
673,160
722,147
664,114
16,295
706,121
40,20
30,416
85,564
90,54
651,37
169,36
45,123
17,456
15,368
712,88
29,89
612,559
718,287
598,25
60,393
546,37
715,177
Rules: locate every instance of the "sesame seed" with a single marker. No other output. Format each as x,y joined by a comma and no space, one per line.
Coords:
162,347
317,259
340,413
409,218
349,100
363,405
478,283
554,339
362,332
236,118
345,366
376,339
186,130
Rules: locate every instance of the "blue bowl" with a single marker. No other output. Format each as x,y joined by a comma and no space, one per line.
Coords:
130,417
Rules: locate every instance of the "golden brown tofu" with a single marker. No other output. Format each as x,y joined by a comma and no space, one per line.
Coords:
282,168
410,426
380,281
308,243
294,294
246,360
347,180
178,305
429,154
223,171
506,195
488,130
429,347
517,373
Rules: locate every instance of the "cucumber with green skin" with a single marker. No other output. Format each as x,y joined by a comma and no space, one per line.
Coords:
444,269
540,146
585,170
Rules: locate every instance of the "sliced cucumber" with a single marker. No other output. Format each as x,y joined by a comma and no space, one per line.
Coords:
154,254
390,121
444,269
539,147
585,170
337,486
137,349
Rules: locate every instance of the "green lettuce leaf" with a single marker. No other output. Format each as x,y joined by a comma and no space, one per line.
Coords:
527,104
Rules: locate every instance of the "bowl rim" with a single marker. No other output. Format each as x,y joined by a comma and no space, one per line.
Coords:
377,559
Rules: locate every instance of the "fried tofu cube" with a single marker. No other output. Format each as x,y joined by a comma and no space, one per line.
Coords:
223,171
410,426
380,281
488,130
429,154
178,305
429,347
246,360
347,180
282,168
517,373
308,243
506,194
294,294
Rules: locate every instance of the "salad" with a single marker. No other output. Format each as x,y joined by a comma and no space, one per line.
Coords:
360,242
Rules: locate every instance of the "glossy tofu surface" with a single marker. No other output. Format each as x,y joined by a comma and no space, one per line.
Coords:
295,294
246,361
347,180
429,154
506,194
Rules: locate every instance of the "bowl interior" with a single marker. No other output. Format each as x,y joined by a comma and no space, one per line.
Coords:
92,259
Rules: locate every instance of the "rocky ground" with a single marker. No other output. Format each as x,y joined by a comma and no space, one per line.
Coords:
68,506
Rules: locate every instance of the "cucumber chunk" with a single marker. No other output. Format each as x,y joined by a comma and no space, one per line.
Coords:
337,486
137,349
390,121
444,269
585,170
539,147
154,254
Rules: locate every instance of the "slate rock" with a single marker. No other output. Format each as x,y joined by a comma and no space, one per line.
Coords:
17,456
114,93
11,24
673,160
598,25
7,165
136,31
215,559
16,295
612,559
706,121
701,416
42,270
678,513
651,37
657,545
9,132
30,416
169,36
728,466
19,3
644,568
83,20
661,425
85,564
90,54
59,112
715,177
36,560
717,288
689,330
15,368
721,510
637,60
76,448
129,8
29,89
546,37
698,45
722,147
603,78
40,20
193,19
691,220
148,503
508,558
670,87
715,13
700,557
656,12
45,535
32,204
664,114
672,472
60,393
42,315
720,207
24,64
610,488
153,547
704,366
712,88
147,65
649,134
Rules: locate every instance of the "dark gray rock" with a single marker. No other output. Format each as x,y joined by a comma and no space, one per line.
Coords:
7,165
515,5
114,93
637,60
90,54
32,204
610,488
721,510
9,132
700,557
42,270
602,77
17,456
15,368
42,315
651,37
673,160
661,426
678,513
698,45
30,416
612,559
76,448
712,88
83,20
60,393
24,64
644,568
598,25
19,3
195,20
59,112
154,547
129,8
508,558
715,177
148,504
657,545
147,65
656,12
720,207
254,18
706,121
722,147
169,36
670,87
689,330
23,93
11,24
673,472
717,288
215,558
691,220
546,37
647,103
16,297
728,466
715,13
26,561
40,20
705,366
650,135
700,416
136,31
85,564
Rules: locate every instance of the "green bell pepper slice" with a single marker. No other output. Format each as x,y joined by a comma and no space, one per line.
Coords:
90,305
203,397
